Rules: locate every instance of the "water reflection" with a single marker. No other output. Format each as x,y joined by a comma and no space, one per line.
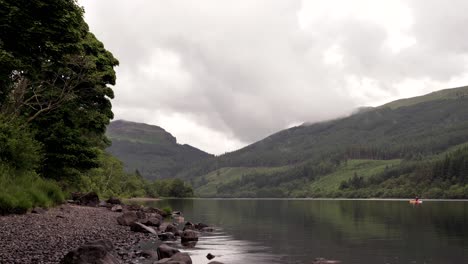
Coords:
298,231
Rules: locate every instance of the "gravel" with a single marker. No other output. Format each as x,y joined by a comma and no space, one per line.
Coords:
48,237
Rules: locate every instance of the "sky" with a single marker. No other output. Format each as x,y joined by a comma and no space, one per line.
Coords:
220,75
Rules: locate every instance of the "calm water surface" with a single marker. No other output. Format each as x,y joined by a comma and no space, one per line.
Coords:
353,231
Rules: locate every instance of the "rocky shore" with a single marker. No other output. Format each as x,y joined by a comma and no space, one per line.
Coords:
107,234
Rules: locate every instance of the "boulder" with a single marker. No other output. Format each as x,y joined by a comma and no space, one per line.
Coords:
86,199
181,258
127,218
167,236
165,251
139,227
148,254
114,200
103,204
151,222
133,207
189,235
210,256
207,229
189,226
151,210
141,215
117,208
171,228
200,226
96,252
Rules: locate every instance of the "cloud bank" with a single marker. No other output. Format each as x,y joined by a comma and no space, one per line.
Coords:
221,74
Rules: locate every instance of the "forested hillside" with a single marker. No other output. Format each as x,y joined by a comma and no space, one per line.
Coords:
151,150
400,137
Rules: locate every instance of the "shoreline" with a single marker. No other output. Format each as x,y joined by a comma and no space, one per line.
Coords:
48,236
141,199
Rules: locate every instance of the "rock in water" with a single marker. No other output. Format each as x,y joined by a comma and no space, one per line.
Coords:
172,229
189,226
200,226
96,252
151,222
189,235
165,251
210,256
181,258
167,236
127,218
139,227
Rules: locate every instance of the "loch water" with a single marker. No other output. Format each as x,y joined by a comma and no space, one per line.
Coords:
351,231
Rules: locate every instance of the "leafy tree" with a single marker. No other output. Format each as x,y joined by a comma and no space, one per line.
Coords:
55,74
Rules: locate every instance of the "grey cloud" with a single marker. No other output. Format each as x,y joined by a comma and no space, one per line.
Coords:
253,71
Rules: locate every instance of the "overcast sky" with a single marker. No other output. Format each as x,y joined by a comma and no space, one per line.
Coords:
219,74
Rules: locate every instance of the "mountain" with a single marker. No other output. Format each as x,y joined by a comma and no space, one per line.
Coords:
354,156
150,149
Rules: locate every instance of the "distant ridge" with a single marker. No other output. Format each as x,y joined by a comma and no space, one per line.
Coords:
404,139
446,94
150,149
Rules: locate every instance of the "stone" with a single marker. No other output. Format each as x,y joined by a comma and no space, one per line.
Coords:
96,252
189,235
167,236
171,228
127,218
141,215
151,222
148,254
133,207
38,210
117,208
200,226
207,229
103,204
189,226
210,256
182,258
86,199
139,227
165,251
114,200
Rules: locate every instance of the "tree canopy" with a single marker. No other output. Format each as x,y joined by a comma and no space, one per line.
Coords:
55,74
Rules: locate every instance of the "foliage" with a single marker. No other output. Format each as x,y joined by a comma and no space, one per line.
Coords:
55,75
18,149
109,179
167,210
22,190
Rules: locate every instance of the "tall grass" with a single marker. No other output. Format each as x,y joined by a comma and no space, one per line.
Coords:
20,191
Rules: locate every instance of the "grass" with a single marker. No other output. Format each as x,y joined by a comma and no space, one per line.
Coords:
21,191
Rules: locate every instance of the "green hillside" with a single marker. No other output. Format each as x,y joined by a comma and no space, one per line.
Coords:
149,149
406,137
445,94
